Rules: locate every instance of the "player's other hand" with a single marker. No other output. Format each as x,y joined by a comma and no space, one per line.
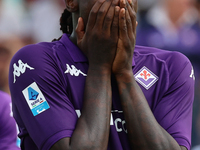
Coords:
127,36
99,39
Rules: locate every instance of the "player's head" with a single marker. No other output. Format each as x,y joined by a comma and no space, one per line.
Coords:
75,9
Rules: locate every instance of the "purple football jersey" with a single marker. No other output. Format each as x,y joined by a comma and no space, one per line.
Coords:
8,128
47,85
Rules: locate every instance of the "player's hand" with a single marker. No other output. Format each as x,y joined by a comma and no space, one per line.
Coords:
127,35
99,40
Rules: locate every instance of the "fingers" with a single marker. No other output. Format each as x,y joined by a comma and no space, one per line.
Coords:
122,24
102,13
93,14
110,16
127,21
122,3
129,24
135,5
132,14
115,24
131,20
80,30
103,16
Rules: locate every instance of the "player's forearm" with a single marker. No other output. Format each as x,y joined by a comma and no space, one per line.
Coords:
92,130
144,132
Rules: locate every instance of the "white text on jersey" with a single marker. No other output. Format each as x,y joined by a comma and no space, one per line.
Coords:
119,123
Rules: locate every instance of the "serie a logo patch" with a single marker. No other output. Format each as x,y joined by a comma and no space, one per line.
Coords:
35,99
146,77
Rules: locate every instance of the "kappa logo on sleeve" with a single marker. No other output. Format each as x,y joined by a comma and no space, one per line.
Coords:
73,71
35,99
146,77
21,69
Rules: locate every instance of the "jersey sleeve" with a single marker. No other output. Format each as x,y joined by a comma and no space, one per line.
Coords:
42,108
174,110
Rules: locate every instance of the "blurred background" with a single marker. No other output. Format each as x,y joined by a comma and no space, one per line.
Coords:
167,24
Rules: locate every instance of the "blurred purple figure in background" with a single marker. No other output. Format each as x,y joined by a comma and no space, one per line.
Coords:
8,130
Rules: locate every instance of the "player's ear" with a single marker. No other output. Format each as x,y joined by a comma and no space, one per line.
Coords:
72,5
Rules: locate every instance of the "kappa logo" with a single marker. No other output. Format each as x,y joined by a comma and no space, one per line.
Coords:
145,77
21,69
73,71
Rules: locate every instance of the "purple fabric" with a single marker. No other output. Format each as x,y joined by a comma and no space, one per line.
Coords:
55,73
8,128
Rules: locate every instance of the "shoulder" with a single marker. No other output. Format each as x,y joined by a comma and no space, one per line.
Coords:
170,58
171,65
34,62
35,50
34,56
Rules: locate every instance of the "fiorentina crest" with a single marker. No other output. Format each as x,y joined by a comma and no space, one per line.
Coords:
145,77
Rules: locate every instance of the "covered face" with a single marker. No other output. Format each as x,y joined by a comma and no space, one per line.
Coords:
82,7
86,5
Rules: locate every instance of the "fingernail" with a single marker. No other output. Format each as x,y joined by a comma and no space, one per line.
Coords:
117,8
123,11
79,19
